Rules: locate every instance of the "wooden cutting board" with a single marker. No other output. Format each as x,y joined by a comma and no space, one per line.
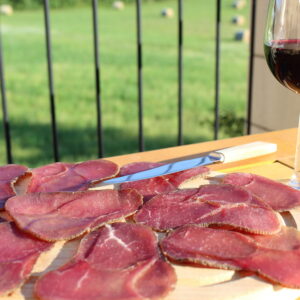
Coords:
192,283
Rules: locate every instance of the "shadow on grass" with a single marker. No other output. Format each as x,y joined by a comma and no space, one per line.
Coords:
32,143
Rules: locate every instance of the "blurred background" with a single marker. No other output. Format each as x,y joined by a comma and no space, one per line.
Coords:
25,68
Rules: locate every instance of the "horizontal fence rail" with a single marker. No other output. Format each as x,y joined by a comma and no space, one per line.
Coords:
139,56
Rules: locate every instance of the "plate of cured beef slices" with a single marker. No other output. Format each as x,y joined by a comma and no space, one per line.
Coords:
194,234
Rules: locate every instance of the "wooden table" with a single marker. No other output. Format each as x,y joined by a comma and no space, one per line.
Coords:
201,283
285,140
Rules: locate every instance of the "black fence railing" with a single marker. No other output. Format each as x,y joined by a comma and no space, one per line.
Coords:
140,71
97,62
217,72
6,126
251,58
50,79
180,70
97,78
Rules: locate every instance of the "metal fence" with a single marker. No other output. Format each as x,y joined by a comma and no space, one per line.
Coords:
139,46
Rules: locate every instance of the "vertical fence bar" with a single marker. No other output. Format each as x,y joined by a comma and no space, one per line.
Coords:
251,65
140,72
180,71
50,79
217,69
6,127
97,78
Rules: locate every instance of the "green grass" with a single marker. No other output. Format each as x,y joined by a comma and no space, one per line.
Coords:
27,92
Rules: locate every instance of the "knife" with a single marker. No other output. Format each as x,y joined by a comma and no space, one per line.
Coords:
226,155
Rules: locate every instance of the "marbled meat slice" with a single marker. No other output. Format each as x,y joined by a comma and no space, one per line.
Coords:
118,261
18,254
58,177
209,204
161,184
228,249
65,215
9,174
278,195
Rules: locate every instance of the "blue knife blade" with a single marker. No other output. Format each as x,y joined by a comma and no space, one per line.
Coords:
168,169
226,155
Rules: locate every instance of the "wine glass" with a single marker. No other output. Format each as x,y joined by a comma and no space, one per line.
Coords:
282,52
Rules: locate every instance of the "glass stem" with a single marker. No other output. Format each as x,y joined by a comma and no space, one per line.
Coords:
295,179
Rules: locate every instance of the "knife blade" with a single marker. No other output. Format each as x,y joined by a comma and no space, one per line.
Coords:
226,155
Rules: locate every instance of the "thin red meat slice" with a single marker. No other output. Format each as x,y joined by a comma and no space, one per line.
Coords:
138,167
18,254
207,246
64,215
9,174
161,184
209,204
12,172
228,194
281,267
244,218
277,258
118,261
288,239
58,177
279,196
228,249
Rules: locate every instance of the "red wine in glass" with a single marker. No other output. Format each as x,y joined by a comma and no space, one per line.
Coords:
283,58
282,53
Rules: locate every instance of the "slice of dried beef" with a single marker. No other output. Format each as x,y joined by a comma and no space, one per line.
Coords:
288,238
279,196
160,184
273,257
207,246
135,167
209,204
65,215
18,254
9,174
58,177
277,257
118,261
280,267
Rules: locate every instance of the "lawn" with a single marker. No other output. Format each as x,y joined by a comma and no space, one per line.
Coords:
27,92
